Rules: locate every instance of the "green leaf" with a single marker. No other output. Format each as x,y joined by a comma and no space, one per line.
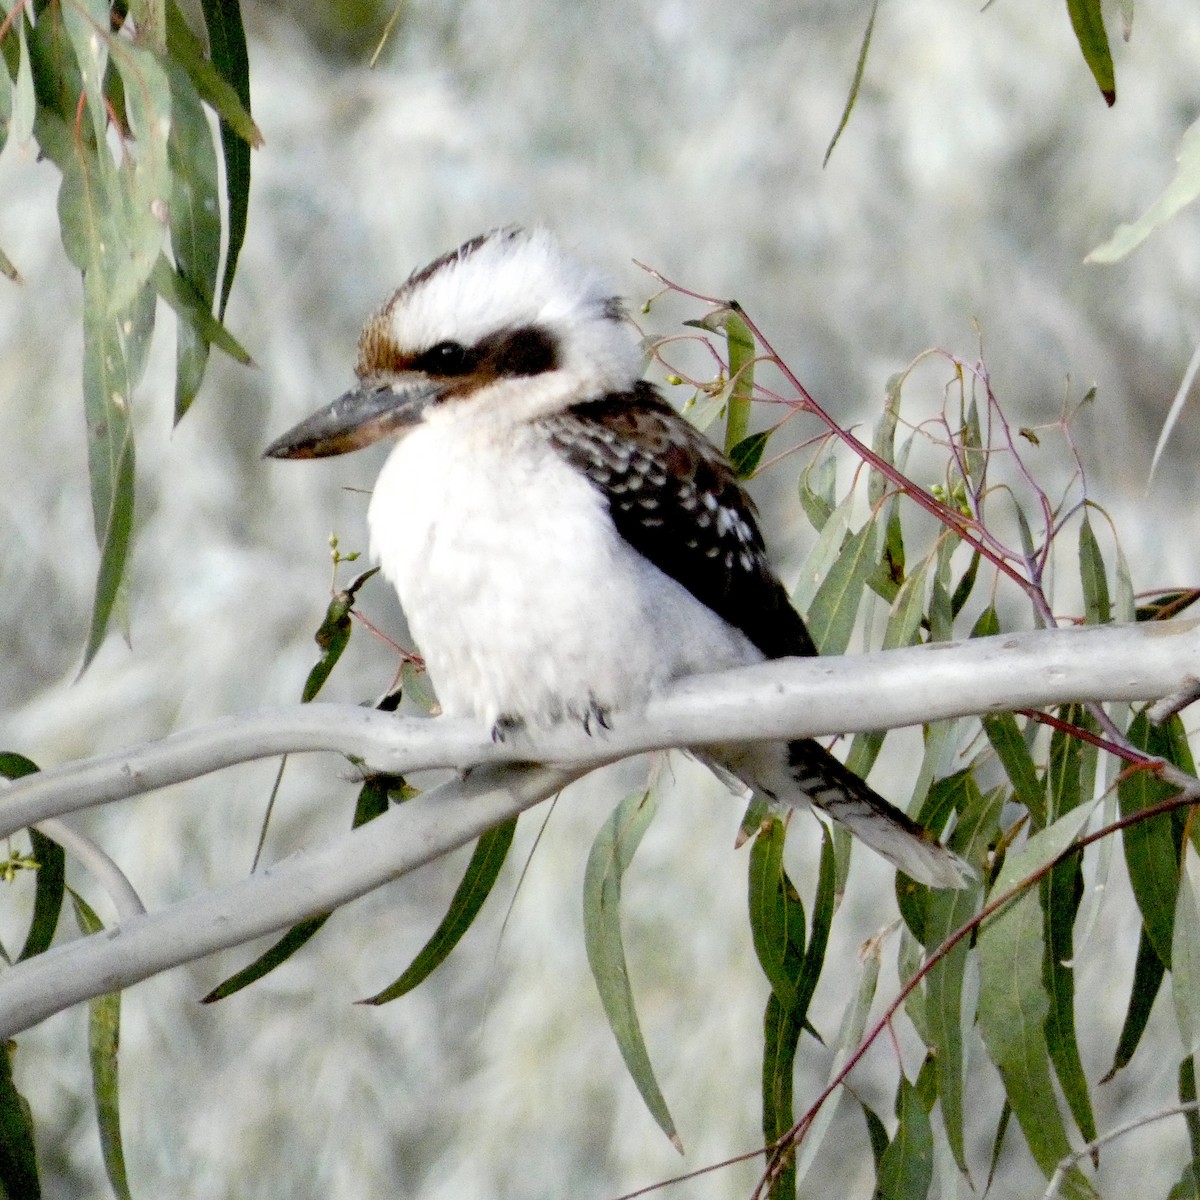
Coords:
850,1035
231,60
18,1156
834,608
195,229
818,487
781,1037
945,911
104,1036
908,610
965,586
777,923
48,895
51,870
469,897
1013,1004
974,457
333,635
607,863
747,454
1005,736
740,342
1148,975
1088,22
876,1133
190,308
113,359
1097,607
906,1170
1187,1095
1061,892
24,99
856,83
112,495
776,913
824,554
299,935
1181,190
1151,847
1185,957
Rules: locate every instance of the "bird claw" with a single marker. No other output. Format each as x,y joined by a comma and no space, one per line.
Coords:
597,713
505,724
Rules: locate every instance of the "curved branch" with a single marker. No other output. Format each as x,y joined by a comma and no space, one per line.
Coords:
102,868
307,883
796,697
773,701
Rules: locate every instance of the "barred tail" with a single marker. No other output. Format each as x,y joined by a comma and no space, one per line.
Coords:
808,774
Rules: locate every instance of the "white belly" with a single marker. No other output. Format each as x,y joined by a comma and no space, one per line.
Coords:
521,595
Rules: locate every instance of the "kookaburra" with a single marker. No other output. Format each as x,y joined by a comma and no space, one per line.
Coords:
563,543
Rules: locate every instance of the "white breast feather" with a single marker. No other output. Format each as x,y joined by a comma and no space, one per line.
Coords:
518,590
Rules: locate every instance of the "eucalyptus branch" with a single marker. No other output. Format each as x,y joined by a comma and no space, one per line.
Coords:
773,701
308,883
786,698
101,867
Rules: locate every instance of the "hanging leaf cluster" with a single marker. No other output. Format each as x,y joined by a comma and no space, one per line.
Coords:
116,98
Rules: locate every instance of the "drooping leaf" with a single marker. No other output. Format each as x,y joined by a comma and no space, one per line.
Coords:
1182,188
1013,1004
776,913
51,869
740,343
850,1034
469,897
1148,975
818,486
18,1156
945,911
781,1037
856,83
1191,1118
908,610
608,860
186,49
195,228
1061,892
906,1169
104,1037
1088,22
48,895
1152,846
192,313
1092,574
834,526
834,608
1185,956
1007,740
965,586
231,60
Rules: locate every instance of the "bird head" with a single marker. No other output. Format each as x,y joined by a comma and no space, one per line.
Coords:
507,325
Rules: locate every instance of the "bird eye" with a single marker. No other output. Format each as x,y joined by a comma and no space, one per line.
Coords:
446,358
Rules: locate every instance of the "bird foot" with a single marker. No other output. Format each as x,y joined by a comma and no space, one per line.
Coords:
505,724
596,714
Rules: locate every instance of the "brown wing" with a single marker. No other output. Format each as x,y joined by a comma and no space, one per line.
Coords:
676,500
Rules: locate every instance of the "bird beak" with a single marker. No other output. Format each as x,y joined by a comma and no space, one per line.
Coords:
363,415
